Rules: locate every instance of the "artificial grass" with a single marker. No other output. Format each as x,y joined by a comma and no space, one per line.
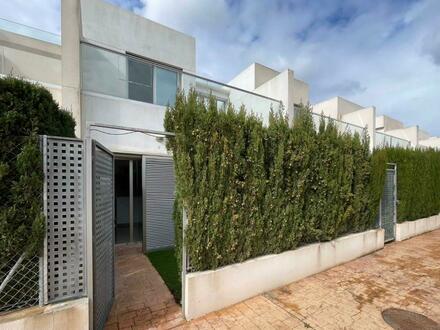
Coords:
166,265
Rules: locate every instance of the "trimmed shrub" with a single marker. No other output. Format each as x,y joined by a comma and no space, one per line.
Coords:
251,190
26,110
418,181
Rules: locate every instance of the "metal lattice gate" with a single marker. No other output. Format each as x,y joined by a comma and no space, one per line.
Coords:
103,233
388,204
158,198
64,245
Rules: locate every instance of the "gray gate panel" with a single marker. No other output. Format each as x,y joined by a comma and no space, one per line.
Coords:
388,205
103,234
159,192
64,199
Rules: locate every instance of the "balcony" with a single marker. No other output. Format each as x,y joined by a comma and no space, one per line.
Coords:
130,77
30,32
383,140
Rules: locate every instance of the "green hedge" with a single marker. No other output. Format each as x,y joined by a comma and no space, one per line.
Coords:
26,110
418,181
252,190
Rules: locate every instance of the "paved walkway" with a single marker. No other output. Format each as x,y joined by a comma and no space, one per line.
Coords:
142,300
351,296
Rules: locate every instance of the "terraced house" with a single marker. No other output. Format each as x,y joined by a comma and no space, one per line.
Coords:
117,72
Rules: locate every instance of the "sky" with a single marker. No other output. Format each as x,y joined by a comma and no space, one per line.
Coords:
382,53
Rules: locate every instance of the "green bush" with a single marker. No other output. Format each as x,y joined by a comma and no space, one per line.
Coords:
26,110
252,190
418,181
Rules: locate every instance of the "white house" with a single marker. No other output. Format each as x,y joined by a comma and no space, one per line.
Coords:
117,72
382,130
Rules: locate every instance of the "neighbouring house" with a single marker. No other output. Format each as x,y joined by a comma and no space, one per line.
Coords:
117,72
382,130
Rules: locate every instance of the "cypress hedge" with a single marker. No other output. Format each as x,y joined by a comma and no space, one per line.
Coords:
251,190
418,181
26,110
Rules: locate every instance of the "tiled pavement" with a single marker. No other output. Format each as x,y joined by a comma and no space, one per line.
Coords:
351,296
142,300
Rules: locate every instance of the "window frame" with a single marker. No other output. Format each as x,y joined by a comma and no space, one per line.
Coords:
155,64
206,97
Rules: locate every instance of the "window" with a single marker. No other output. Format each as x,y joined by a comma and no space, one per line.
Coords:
127,76
140,81
221,103
166,86
151,83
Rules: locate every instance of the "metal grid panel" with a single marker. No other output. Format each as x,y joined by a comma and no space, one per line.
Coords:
159,190
103,235
22,277
387,205
64,200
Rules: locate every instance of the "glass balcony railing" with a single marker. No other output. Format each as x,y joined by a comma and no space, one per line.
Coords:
29,31
342,126
384,140
224,94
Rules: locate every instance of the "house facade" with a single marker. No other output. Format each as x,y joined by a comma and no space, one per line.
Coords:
117,72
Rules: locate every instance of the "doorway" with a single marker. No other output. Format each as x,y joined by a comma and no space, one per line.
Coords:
128,200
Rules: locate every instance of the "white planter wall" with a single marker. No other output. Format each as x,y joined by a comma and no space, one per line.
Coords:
213,290
409,229
69,315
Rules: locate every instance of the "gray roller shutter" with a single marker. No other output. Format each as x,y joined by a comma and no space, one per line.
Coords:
159,187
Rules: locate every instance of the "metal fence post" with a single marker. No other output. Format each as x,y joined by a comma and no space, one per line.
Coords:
41,287
43,261
395,199
184,258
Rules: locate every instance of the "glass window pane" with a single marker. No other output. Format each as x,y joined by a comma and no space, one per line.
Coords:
103,71
140,81
166,86
221,105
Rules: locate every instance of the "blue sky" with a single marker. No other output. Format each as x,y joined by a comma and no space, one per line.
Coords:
384,53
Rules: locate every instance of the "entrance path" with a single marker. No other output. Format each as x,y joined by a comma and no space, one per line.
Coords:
351,296
142,300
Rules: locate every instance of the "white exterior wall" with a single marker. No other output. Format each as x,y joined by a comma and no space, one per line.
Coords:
327,108
253,76
32,59
118,111
433,142
385,123
278,88
109,26
71,68
281,86
300,92
349,112
365,118
423,135
335,107
409,133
